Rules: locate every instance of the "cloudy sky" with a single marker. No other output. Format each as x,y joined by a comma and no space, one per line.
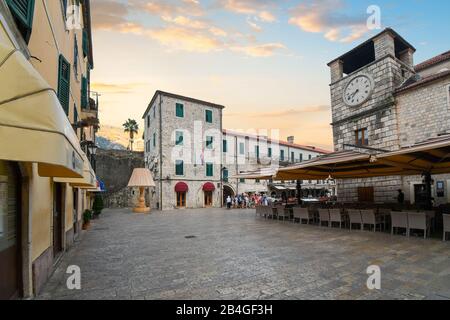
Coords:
265,60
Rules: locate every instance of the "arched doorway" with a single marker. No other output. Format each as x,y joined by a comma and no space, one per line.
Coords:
227,191
10,211
208,190
181,190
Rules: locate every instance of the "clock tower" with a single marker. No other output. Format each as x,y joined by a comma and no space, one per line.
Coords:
363,83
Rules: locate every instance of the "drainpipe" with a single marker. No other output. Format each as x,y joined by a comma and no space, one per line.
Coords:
160,155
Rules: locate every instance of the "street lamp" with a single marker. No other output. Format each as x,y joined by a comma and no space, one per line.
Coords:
92,149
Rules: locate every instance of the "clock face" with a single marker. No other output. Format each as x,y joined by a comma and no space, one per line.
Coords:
358,91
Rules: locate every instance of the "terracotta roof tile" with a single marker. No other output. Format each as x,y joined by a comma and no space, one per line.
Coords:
430,62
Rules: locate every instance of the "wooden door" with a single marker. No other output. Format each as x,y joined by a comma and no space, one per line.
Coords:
57,218
366,194
208,198
9,231
181,199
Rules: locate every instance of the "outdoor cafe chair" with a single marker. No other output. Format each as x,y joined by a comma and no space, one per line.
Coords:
337,217
324,216
303,214
399,220
369,218
258,211
355,218
419,221
277,210
267,212
446,218
283,213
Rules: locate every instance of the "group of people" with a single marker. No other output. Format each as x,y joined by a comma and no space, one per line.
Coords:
246,201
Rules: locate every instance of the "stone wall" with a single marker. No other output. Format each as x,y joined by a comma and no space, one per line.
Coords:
114,168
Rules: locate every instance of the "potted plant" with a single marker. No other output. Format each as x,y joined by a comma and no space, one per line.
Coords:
97,206
87,217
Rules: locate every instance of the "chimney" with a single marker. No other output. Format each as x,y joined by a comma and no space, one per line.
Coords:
291,139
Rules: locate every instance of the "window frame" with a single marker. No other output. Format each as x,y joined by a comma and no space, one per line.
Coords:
364,137
26,22
179,164
177,105
179,134
242,148
209,168
65,104
209,143
210,113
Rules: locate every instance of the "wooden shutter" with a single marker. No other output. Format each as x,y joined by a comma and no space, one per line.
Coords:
85,43
84,93
180,110
23,11
208,116
64,83
209,170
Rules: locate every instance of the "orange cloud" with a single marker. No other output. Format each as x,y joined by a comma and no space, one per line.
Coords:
323,16
263,50
184,39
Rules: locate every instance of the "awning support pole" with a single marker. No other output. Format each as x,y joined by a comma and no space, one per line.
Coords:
428,182
299,192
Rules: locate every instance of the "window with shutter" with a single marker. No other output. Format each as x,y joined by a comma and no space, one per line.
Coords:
179,110
84,93
225,146
64,83
209,142
75,58
179,138
85,43
209,170
23,11
179,168
208,116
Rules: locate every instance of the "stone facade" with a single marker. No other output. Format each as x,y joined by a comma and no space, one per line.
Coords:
231,153
161,126
392,118
114,168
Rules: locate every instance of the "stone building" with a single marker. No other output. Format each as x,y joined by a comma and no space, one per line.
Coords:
192,157
114,168
381,102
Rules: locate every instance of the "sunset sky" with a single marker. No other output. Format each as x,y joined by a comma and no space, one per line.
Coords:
265,60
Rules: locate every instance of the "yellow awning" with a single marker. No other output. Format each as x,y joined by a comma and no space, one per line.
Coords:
33,125
89,180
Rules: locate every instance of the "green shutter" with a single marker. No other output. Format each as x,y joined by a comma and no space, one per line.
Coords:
209,170
208,116
85,43
154,140
179,168
242,148
84,93
64,83
270,152
225,146
23,11
180,110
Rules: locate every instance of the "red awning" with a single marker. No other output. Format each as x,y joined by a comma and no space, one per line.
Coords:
181,187
209,187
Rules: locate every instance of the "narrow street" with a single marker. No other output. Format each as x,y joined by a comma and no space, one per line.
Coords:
219,254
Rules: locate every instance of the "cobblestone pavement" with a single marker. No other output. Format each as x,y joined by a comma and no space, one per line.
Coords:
236,255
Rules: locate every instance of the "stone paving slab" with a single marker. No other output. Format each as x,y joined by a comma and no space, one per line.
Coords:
235,255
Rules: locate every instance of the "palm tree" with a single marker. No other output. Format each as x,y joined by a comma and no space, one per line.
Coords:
131,127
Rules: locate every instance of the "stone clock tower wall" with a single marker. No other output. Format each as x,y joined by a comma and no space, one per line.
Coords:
387,60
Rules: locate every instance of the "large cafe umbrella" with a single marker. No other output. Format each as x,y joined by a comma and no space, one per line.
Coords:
429,157
426,159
